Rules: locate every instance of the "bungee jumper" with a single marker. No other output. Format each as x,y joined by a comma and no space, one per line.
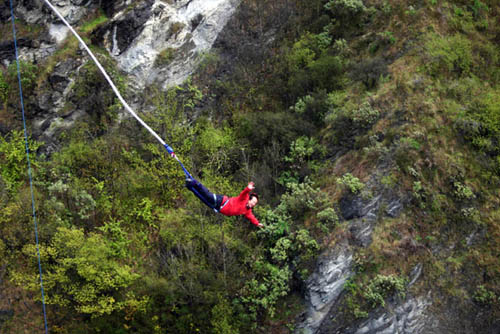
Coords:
228,206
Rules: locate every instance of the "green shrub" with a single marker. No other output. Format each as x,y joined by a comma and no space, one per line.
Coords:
345,8
93,24
165,57
4,89
175,29
217,147
351,182
263,292
263,128
302,159
370,71
222,314
382,287
82,272
485,297
29,72
364,116
448,55
301,198
461,20
313,106
13,158
328,216
462,191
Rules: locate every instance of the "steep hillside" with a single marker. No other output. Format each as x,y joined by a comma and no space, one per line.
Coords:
371,129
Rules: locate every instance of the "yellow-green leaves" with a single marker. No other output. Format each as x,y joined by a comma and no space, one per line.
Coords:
13,160
81,271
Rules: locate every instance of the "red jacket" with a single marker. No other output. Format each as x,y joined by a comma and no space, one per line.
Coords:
235,206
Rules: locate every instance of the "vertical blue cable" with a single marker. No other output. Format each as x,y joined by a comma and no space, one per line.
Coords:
29,167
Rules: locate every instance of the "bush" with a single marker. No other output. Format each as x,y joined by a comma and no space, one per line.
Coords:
301,198
328,216
351,182
449,55
345,8
369,71
165,57
462,191
301,159
263,128
262,293
29,74
364,116
485,297
4,89
383,286
13,159
82,272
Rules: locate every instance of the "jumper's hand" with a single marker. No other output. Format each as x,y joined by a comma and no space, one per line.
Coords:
251,185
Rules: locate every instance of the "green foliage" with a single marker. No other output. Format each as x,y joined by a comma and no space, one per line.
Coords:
175,29
4,89
462,191
263,128
363,297
14,165
79,203
29,74
486,297
218,145
93,93
93,24
300,199
328,217
165,57
221,318
117,238
345,8
448,55
3,253
263,292
299,247
303,156
273,279
480,125
462,20
383,286
310,65
409,143
347,118
82,272
364,116
352,183
388,36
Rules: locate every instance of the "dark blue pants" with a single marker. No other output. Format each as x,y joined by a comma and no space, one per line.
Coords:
210,199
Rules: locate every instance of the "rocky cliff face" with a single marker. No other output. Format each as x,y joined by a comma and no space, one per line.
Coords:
162,42
325,287
137,36
186,29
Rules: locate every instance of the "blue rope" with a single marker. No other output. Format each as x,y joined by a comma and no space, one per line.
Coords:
171,152
29,167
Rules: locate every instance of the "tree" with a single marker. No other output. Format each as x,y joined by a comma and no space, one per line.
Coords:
82,273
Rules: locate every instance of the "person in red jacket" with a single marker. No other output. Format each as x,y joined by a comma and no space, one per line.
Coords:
228,206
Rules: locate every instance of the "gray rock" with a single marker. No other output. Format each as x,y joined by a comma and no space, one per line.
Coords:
137,38
394,208
408,318
324,287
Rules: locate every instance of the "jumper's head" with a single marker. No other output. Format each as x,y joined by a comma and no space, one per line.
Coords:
252,200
